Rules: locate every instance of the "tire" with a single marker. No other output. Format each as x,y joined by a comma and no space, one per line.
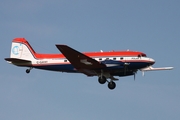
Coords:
111,85
102,80
27,71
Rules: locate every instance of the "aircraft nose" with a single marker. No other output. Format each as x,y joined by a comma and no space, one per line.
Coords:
151,61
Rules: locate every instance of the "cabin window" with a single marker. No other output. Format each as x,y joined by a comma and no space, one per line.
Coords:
121,58
114,58
107,58
100,58
65,60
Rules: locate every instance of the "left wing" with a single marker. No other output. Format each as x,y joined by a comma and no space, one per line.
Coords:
80,61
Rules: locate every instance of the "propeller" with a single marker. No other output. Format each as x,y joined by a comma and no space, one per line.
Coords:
134,76
143,73
126,67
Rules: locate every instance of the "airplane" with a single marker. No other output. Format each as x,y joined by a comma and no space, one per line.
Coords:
104,65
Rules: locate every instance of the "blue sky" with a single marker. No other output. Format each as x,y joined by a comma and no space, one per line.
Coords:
152,27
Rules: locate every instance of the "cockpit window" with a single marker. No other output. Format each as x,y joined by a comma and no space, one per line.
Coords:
142,55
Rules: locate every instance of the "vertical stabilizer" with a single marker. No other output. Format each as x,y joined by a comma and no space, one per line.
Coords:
21,49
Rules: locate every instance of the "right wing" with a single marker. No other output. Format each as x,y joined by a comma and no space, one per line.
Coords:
150,68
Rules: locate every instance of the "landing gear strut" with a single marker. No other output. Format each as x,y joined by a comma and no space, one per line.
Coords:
28,70
103,80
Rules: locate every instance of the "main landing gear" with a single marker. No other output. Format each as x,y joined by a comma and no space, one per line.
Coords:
111,85
28,70
103,80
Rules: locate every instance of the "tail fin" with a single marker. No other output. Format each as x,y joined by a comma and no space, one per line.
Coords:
21,49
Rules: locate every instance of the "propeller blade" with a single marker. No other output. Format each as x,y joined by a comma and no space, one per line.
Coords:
143,73
126,67
125,70
135,72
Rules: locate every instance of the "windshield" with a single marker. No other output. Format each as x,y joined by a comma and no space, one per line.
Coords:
142,55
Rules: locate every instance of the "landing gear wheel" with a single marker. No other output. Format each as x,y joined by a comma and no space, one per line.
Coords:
111,85
27,71
102,80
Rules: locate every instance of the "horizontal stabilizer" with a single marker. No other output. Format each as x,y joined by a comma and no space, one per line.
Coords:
16,60
150,68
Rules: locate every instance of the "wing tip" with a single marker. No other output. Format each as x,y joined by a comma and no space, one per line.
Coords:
169,68
60,45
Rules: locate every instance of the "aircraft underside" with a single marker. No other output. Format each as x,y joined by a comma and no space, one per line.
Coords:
103,74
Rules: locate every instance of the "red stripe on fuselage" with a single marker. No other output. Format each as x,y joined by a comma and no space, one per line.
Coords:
90,54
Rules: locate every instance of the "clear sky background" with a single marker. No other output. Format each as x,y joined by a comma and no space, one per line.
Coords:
152,27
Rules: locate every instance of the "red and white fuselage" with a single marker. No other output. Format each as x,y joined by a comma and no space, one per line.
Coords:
102,64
